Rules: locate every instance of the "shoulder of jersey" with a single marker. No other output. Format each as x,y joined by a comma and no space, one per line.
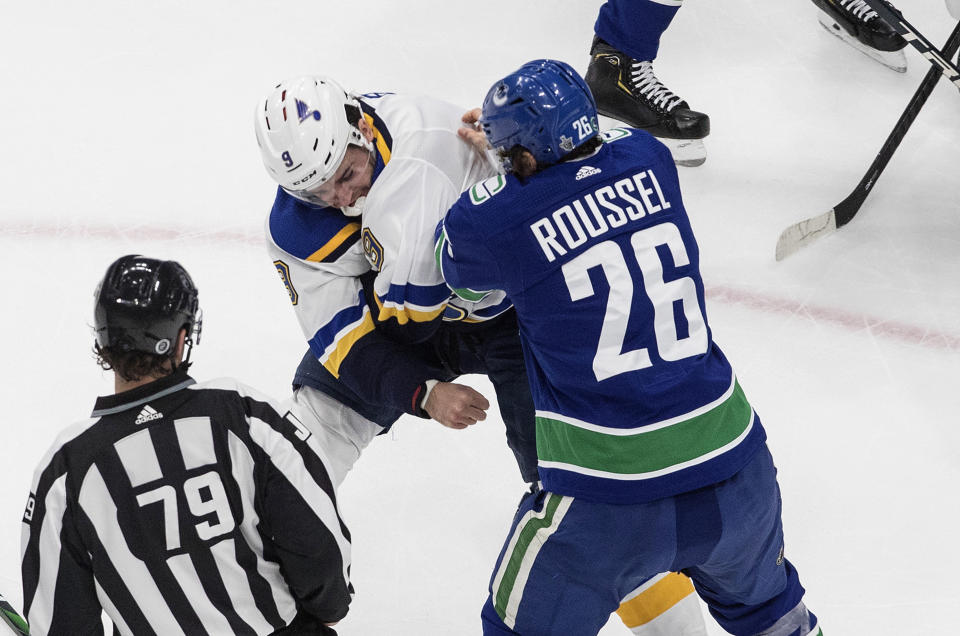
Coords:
220,384
409,123
484,191
624,137
234,386
617,134
393,105
237,390
311,233
72,432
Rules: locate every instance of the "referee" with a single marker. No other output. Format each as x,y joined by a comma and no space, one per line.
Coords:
177,507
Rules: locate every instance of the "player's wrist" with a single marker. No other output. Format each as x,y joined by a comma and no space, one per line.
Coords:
421,395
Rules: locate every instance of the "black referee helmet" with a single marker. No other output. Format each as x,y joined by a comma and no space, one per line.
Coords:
142,303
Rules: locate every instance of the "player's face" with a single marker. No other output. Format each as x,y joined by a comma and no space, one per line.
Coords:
350,182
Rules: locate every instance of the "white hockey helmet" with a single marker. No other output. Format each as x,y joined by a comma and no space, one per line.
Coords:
303,133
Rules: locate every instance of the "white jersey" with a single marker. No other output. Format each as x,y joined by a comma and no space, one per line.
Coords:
326,257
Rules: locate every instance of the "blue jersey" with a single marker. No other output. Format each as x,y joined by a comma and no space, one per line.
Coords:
634,399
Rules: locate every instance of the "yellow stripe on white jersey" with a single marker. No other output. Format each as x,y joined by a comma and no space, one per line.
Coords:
378,139
336,355
663,606
336,241
406,312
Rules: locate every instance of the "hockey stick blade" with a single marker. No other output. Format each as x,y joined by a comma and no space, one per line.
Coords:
809,230
804,233
899,24
9,616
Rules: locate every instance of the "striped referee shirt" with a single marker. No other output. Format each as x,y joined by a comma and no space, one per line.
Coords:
184,508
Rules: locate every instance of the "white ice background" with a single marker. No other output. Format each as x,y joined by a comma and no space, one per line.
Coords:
127,127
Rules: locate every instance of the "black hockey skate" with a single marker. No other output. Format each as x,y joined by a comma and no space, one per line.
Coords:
854,22
627,90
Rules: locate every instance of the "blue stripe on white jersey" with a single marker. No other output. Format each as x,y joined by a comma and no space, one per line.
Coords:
420,303
312,233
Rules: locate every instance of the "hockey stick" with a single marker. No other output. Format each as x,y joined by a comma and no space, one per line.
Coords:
807,231
899,24
9,616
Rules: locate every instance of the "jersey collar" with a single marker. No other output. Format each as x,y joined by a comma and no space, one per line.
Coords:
109,404
382,139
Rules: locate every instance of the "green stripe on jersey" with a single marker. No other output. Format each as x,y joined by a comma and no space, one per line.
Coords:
658,450
471,295
525,537
438,248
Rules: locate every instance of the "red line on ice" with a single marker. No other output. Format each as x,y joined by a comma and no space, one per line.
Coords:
144,232
851,321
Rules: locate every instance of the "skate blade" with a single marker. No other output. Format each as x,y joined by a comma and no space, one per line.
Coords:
689,153
894,60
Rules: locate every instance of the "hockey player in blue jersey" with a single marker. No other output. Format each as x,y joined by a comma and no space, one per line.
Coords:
650,455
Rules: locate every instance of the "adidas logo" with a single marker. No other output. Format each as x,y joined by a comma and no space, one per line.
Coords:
587,171
148,414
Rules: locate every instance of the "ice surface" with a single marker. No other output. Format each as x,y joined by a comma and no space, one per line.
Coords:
127,127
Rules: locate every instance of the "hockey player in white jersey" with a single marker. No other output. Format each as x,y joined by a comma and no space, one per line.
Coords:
364,287
364,179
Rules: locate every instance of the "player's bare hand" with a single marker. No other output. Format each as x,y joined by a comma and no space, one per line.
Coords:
456,405
471,131
471,117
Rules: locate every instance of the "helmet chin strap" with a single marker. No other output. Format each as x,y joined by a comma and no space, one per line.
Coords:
185,362
191,338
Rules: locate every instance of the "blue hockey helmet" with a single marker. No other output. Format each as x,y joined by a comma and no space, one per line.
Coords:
544,106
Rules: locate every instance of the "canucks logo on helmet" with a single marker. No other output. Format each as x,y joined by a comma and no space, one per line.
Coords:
500,97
